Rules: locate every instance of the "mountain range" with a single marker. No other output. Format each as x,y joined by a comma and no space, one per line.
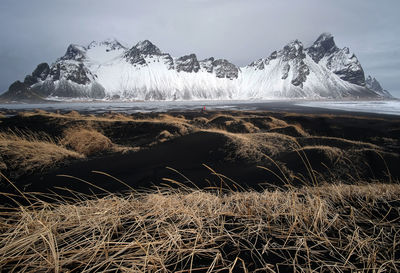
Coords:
109,70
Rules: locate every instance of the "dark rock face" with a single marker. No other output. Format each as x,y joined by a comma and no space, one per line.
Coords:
294,50
294,53
339,61
40,73
77,73
207,64
323,46
273,55
346,66
301,72
187,63
352,73
147,48
20,91
285,71
221,67
168,60
18,87
136,54
75,52
225,69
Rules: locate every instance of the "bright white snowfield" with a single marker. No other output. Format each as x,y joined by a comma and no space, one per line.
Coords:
109,70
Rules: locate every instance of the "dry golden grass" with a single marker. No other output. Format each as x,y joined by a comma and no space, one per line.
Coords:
200,121
291,130
255,146
335,228
26,152
86,141
231,124
336,142
164,136
332,153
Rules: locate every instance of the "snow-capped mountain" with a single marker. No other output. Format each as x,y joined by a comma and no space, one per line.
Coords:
292,72
373,84
109,70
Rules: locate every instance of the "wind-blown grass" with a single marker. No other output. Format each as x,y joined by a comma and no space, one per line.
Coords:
332,228
23,152
86,141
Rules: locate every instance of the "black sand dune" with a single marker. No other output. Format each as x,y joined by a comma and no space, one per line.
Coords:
147,168
142,148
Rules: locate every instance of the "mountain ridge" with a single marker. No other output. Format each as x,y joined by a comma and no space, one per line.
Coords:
109,70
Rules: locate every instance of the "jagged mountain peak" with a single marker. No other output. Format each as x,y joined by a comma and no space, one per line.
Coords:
109,43
297,44
292,50
137,54
323,46
74,52
342,62
326,39
187,63
373,84
148,48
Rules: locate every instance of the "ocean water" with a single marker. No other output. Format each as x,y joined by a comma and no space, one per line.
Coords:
138,106
391,107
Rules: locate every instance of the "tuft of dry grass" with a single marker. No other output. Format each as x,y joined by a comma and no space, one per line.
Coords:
254,146
200,121
73,114
332,153
25,152
164,136
336,142
232,124
291,130
331,228
86,141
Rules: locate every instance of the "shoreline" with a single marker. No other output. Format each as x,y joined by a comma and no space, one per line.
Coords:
296,106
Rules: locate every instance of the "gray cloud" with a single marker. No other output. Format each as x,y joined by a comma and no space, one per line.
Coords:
238,30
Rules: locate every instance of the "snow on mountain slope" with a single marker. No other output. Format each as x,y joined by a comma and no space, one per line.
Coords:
290,73
109,70
147,74
155,81
342,62
104,51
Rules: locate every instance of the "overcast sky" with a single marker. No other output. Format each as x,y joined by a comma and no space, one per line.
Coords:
35,31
